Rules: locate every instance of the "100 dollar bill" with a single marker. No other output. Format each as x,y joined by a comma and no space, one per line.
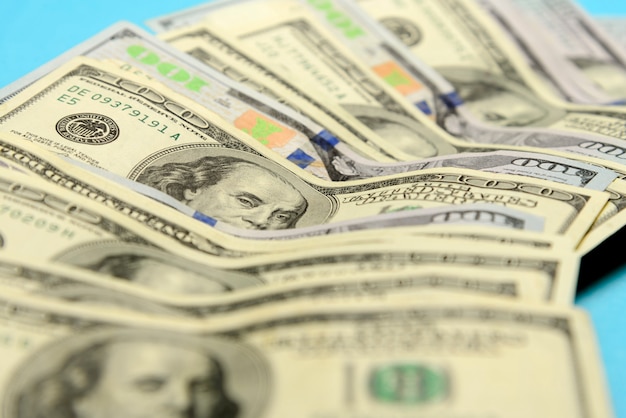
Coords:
357,358
27,159
441,282
476,214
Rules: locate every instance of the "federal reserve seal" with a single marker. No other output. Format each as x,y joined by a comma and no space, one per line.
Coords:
88,128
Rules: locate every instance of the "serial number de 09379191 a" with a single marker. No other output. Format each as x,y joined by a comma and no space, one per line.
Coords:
76,93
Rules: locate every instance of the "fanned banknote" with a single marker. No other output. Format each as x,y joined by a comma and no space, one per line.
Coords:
442,282
360,360
25,158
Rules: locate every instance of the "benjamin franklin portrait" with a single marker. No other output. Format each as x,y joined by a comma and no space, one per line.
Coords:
140,374
241,189
155,269
497,101
408,134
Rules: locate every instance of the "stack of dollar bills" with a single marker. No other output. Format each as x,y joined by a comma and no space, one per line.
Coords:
312,208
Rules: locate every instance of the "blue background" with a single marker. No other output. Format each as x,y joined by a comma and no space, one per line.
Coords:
33,32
